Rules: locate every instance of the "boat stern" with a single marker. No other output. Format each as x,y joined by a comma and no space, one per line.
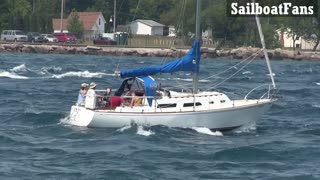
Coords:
80,116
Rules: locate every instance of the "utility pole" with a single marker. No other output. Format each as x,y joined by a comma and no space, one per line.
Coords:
61,21
114,15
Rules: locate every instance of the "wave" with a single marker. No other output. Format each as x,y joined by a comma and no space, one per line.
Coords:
124,128
50,70
190,80
207,131
20,68
35,118
247,72
143,132
246,128
11,75
84,74
316,105
245,153
65,120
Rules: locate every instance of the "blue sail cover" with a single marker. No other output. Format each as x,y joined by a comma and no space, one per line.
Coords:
190,62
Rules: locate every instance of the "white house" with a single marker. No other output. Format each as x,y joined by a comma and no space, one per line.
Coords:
93,23
146,27
286,40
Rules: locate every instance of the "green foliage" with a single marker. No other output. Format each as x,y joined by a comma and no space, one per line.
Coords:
37,15
14,14
74,25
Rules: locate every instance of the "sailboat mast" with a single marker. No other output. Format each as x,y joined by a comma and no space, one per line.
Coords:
198,19
265,51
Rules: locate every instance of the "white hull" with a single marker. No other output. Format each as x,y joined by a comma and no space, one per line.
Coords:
213,110
226,118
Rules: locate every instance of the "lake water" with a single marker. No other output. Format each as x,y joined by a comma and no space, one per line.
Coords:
37,91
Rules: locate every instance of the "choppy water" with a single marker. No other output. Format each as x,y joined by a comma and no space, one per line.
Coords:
36,92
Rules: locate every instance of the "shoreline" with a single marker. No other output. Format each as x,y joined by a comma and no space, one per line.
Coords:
238,53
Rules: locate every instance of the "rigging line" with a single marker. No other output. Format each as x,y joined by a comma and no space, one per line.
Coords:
178,25
233,74
134,16
251,56
121,6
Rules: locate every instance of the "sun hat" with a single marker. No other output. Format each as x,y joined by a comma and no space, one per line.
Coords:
84,85
92,85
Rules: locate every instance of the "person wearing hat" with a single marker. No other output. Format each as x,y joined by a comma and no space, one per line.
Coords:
82,94
91,98
93,85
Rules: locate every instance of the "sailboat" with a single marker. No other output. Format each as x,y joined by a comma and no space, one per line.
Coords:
162,106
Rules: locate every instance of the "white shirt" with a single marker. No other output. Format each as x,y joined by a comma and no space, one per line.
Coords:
91,99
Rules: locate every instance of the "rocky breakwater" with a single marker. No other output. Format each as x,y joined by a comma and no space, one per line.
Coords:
239,53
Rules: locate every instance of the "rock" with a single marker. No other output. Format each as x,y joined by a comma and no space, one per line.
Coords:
239,53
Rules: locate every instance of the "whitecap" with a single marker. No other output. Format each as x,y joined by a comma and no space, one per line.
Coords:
20,68
204,130
190,80
316,105
247,72
12,75
246,128
85,74
50,70
143,132
187,80
124,128
65,120
318,84
203,80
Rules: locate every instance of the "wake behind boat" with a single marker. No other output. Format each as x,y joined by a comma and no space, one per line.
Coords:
165,106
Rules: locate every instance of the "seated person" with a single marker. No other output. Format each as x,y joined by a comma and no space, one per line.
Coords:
127,96
116,100
137,99
106,97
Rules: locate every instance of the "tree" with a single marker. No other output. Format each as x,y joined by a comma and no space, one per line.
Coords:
14,14
104,7
312,33
74,24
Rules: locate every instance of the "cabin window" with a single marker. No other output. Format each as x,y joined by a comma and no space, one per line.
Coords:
99,21
191,104
211,102
167,105
222,101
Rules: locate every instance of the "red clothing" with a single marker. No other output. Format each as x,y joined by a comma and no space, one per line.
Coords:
116,101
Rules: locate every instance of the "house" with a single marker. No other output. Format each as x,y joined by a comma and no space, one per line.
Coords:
93,23
286,40
146,27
